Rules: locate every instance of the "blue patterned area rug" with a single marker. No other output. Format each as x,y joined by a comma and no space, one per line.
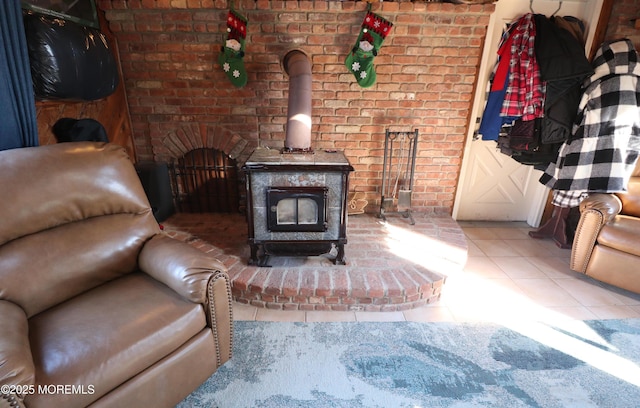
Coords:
403,364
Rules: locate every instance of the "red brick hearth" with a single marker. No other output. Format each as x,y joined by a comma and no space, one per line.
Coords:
390,266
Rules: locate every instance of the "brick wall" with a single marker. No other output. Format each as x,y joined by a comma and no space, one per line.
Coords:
180,98
621,23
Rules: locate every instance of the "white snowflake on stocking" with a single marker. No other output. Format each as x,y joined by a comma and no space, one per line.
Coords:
363,74
355,66
226,67
236,73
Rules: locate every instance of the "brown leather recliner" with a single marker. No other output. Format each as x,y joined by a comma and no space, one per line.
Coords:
98,307
606,245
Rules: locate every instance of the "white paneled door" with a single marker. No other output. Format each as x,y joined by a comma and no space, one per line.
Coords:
493,186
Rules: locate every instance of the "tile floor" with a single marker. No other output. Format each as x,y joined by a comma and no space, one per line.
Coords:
508,277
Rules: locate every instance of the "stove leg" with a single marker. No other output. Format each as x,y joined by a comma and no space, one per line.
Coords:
254,260
264,261
407,214
340,260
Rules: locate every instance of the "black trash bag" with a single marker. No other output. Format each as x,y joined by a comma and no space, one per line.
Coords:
79,130
69,61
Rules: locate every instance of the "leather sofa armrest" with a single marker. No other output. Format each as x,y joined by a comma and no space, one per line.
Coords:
180,266
609,205
198,277
595,211
17,371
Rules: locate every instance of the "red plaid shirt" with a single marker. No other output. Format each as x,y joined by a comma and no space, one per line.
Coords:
526,90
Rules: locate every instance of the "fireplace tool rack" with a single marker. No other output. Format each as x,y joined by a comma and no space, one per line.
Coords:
398,173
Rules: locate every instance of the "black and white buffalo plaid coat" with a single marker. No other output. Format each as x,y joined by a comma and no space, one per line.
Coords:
605,142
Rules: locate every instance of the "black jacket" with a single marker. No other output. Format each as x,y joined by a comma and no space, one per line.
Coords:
564,66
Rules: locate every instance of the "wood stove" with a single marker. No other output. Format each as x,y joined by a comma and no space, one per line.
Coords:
296,204
297,198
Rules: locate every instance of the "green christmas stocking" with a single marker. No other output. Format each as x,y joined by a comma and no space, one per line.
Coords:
360,60
231,58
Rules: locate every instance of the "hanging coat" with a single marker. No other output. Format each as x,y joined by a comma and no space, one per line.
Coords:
492,121
603,149
516,88
525,92
564,67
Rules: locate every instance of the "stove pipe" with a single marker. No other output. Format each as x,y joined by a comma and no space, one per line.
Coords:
298,131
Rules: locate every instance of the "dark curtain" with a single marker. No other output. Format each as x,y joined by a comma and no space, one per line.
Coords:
18,126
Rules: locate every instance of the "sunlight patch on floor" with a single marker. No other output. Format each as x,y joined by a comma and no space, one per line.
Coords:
475,299
431,253
574,344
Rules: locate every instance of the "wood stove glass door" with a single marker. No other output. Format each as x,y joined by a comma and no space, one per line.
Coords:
299,209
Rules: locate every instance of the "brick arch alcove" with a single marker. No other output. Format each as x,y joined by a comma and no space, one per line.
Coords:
206,180
204,167
176,142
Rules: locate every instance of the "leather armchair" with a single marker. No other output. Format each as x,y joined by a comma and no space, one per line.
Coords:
606,245
97,306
